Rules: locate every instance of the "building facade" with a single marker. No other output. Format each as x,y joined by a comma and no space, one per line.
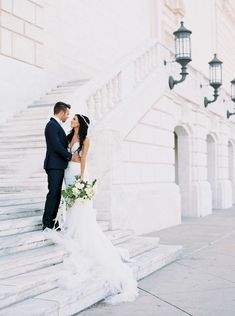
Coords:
159,154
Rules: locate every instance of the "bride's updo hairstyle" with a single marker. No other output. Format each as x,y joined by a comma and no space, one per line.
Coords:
83,128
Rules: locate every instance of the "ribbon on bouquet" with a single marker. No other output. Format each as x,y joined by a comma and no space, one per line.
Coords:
61,215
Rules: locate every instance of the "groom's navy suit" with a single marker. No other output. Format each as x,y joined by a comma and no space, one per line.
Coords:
57,158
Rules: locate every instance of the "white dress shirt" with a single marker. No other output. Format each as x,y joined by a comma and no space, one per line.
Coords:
58,120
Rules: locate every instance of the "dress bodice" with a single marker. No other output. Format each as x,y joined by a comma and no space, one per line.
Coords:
74,147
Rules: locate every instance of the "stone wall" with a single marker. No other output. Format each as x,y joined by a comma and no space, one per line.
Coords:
22,30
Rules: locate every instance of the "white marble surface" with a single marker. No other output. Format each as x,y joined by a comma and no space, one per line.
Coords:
73,301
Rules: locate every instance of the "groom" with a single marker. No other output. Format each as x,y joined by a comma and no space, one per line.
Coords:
56,161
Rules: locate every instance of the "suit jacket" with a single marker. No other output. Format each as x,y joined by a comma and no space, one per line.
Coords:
57,155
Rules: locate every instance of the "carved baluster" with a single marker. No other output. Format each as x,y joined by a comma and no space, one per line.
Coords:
91,109
136,72
148,56
151,59
119,86
146,64
104,99
155,56
140,68
97,98
110,94
144,67
115,89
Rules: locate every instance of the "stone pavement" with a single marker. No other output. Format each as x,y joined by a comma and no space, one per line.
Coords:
200,283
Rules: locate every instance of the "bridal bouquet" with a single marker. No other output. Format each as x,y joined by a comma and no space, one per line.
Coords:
78,191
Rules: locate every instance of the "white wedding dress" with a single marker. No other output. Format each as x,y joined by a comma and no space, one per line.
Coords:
92,256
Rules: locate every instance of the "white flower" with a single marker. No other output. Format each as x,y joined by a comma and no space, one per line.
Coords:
94,188
88,191
75,191
79,185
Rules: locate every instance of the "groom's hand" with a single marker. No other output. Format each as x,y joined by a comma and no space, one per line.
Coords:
76,158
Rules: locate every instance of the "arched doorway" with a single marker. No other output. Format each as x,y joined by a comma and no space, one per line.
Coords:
212,167
183,166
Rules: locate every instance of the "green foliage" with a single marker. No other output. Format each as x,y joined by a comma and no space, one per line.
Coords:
78,191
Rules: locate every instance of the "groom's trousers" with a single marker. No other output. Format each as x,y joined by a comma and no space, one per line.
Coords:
55,181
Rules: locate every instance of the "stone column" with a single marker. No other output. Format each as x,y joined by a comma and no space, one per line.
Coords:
201,201
224,185
231,167
105,164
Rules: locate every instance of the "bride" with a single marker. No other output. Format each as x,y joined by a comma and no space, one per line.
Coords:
92,255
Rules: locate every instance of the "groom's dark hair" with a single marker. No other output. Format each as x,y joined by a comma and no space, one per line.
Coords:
61,106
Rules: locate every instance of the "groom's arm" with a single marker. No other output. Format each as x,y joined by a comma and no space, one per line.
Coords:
53,139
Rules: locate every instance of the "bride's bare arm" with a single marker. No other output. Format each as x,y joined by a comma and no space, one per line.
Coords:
83,156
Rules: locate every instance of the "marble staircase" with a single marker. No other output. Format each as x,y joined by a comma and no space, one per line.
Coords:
30,265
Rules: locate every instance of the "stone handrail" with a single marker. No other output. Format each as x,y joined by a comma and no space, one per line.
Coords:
111,86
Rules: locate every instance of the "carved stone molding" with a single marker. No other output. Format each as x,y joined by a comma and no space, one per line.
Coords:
177,7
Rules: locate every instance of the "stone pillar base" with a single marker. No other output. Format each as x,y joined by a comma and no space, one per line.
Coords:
224,194
201,199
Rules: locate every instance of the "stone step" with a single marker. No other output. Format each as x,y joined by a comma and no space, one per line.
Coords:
27,117
26,261
14,167
13,209
42,105
52,98
6,182
23,155
63,302
75,84
22,242
37,110
23,201
20,196
8,213
32,240
21,149
20,225
29,284
40,113
21,135
119,235
35,142
139,244
31,115
10,172
21,187
40,174
61,90
25,125
19,178
21,130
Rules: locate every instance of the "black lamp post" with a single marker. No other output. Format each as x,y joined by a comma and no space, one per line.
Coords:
215,78
182,52
232,97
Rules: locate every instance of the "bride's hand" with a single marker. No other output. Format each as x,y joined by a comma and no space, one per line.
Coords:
76,158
